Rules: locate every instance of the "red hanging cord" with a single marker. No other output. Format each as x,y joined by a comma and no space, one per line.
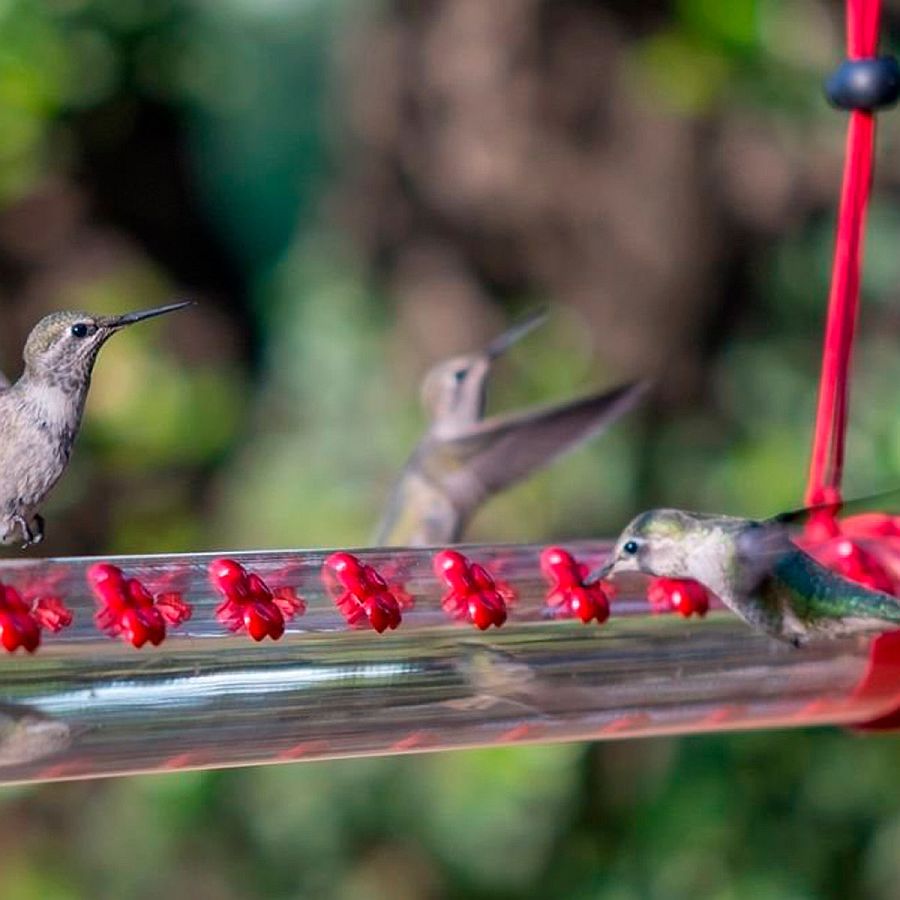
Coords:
857,547
866,564
827,463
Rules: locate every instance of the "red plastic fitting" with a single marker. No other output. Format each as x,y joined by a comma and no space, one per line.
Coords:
882,680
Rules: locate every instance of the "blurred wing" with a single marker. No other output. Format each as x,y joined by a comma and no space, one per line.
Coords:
499,451
760,547
4,382
886,502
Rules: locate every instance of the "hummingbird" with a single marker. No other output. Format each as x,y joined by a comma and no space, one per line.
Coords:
40,414
493,676
27,734
755,569
463,459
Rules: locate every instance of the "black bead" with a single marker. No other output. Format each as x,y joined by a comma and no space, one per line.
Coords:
866,84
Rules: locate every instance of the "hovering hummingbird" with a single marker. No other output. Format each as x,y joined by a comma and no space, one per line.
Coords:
27,734
463,458
41,413
755,569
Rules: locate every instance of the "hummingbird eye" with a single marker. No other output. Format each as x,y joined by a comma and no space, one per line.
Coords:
80,330
460,375
630,547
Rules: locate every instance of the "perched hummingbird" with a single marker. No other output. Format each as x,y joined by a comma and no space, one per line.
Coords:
463,459
754,567
27,734
41,413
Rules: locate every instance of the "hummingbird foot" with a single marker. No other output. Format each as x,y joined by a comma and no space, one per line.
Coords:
27,534
31,534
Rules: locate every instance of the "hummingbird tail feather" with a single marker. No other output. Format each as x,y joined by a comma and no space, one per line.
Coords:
891,612
872,608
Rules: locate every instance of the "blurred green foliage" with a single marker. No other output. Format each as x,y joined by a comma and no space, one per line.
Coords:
188,446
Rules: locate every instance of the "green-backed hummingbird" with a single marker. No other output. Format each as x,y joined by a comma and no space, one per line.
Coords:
755,569
40,414
464,459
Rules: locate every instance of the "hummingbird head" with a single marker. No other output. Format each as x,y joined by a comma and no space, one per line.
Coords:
659,542
63,346
455,390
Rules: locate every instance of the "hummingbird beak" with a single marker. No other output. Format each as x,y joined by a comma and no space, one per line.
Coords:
500,344
113,323
604,571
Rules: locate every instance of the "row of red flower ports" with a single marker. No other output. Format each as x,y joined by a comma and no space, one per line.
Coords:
126,609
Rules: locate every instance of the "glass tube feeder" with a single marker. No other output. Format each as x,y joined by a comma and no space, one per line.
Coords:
195,661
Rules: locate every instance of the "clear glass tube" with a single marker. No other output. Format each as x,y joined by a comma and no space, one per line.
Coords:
87,704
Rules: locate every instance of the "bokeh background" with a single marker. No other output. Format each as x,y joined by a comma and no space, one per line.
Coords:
353,189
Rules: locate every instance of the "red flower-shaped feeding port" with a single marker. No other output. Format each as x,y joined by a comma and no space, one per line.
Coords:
569,596
361,595
687,598
21,619
51,613
393,574
473,596
128,609
249,603
497,568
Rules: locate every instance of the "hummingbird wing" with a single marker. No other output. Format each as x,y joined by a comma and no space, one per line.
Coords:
887,501
4,382
761,546
504,449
